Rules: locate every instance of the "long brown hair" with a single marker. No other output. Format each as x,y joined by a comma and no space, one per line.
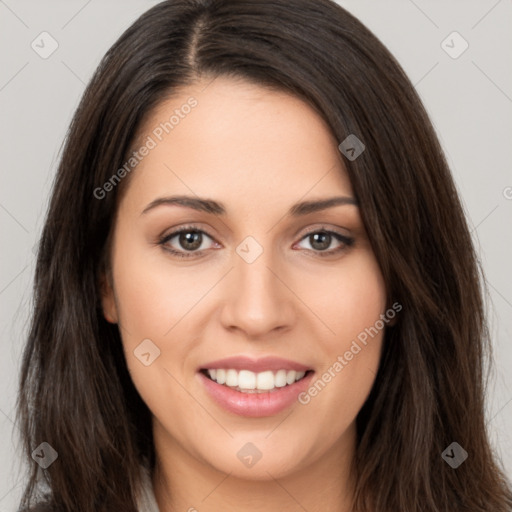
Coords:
75,390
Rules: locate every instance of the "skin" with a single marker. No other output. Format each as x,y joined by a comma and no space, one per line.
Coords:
245,146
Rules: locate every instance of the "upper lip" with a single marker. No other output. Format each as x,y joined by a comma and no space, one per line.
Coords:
255,365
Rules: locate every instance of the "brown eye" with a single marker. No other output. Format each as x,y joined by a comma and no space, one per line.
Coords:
185,242
321,240
190,240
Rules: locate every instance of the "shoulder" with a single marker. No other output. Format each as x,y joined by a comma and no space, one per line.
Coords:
40,507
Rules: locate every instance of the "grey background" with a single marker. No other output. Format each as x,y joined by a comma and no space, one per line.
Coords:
469,100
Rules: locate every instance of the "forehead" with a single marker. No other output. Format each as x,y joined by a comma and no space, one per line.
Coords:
238,142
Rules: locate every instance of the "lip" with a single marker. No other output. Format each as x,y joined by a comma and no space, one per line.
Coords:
255,365
255,405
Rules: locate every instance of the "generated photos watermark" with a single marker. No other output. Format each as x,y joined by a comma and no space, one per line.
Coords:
343,360
151,142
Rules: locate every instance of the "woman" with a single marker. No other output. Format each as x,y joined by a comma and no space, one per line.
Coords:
193,350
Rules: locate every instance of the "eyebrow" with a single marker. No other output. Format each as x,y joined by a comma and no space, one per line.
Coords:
216,208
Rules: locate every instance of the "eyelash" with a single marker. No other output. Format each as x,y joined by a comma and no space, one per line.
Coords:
345,240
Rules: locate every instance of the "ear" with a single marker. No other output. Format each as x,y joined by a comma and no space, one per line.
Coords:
392,312
108,302
392,322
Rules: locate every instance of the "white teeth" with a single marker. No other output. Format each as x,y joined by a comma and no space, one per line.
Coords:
265,380
299,375
280,379
231,378
220,377
247,381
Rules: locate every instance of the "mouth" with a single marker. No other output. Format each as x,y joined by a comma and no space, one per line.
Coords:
254,388
247,381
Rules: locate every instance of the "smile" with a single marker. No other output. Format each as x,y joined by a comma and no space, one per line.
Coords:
246,381
254,387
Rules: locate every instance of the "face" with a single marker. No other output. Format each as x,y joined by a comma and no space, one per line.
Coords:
246,281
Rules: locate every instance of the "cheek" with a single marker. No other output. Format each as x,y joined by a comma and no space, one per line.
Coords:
153,295
157,301
349,298
351,302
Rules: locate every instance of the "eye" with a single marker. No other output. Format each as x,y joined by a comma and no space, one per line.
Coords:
188,239
321,240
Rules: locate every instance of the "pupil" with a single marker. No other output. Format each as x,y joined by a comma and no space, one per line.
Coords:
322,241
190,240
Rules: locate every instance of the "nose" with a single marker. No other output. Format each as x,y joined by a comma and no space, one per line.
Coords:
258,298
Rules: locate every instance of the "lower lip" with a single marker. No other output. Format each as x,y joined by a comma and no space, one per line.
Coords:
255,405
